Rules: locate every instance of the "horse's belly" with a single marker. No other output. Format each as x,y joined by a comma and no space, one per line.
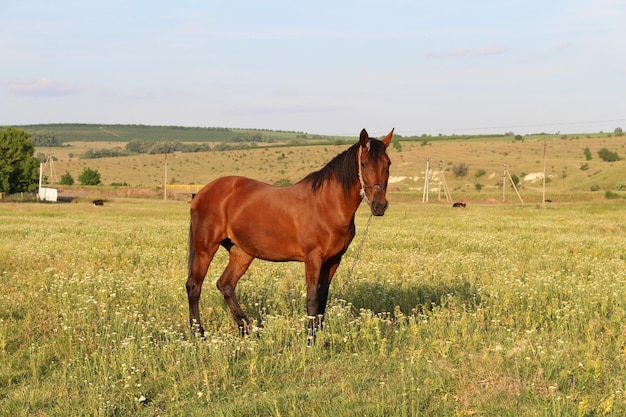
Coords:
269,247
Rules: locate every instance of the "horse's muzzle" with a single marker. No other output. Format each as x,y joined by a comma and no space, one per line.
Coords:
378,203
379,206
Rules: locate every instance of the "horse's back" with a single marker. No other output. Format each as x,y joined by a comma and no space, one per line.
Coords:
225,189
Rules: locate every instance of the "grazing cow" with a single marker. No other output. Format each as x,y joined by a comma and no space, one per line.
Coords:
98,202
458,204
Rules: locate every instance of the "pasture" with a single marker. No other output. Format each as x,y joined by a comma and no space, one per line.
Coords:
490,310
570,176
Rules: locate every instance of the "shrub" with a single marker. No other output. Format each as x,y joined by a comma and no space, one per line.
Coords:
587,154
610,195
460,170
89,177
283,182
480,173
607,155
584,166
595,187
66,179
621,186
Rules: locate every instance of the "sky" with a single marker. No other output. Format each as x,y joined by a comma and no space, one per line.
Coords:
324,67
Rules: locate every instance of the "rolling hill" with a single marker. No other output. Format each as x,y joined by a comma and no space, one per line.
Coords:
286,157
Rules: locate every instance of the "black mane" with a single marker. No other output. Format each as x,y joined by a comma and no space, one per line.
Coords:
343,167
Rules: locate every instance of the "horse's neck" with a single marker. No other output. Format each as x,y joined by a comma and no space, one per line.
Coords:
346,206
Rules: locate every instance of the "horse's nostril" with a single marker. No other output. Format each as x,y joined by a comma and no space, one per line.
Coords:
379,209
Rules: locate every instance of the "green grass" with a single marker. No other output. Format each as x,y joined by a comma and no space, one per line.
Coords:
77,132
488,310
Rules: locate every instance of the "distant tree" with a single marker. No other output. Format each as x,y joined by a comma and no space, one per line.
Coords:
66,179
587,154
162,147
41,157
89,177
460,170
104,153
18,168
618,131
608,156
46,138
136,146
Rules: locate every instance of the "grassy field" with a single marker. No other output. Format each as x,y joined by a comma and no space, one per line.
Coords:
492,310
124,133
570,176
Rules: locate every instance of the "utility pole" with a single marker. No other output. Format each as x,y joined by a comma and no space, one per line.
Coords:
426,182
504,184
504,176
543,198
165,180
443,183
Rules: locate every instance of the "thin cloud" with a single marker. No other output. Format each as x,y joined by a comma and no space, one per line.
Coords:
462,52
43,87
446,54
493,50
292,33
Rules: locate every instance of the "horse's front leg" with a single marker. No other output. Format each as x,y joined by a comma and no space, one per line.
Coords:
318,277
312,267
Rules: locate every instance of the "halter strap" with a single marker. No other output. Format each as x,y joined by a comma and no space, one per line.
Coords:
362,183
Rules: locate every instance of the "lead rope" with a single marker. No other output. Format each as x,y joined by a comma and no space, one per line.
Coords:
369,219
358,253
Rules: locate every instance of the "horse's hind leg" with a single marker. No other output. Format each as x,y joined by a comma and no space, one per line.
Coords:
237,265
198,267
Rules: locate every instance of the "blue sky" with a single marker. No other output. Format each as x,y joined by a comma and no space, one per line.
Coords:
328,67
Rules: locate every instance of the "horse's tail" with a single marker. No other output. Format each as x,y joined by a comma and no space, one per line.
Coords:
191,251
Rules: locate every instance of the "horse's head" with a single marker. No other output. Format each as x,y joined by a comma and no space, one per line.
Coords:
373,165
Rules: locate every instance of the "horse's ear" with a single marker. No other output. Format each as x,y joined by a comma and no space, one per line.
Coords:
387,139
364,140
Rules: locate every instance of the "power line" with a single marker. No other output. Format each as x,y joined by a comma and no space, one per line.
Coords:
514,126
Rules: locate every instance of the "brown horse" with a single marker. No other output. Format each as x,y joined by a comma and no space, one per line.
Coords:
311,221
